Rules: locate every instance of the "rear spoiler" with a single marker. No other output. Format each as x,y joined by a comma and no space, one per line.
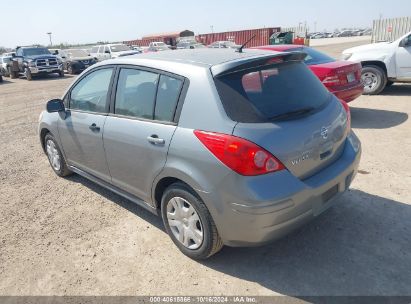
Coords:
259,60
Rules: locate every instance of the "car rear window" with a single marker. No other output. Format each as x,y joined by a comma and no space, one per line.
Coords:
313,56
281,91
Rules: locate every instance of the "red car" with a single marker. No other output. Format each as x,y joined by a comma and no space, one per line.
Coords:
342,78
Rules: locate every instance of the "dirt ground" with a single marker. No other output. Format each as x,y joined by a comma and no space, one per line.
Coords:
68,236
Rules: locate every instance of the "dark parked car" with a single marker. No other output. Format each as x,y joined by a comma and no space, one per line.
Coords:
76,61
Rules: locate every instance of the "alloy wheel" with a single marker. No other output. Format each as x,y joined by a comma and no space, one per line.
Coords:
53,155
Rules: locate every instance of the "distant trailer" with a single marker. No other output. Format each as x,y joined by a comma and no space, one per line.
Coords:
170,38
262,36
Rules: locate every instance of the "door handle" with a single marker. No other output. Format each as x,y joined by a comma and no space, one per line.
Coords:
94,127
153,139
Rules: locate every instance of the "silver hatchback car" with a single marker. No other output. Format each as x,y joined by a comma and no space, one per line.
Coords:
229,147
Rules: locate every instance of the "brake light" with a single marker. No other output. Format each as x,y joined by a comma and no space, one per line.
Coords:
240,155
347,109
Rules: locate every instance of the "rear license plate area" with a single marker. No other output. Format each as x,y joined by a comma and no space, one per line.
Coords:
330,193
350,77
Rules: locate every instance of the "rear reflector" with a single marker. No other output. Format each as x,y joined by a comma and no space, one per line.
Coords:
240,155
347,110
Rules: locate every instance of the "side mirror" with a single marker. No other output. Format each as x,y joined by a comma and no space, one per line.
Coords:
107,52
63,57
55,105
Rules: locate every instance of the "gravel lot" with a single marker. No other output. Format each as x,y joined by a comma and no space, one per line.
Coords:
71,237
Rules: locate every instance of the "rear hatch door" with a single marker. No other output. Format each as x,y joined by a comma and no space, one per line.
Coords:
285,109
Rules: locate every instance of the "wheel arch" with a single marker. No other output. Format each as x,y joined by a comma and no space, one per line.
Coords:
163,183
377,63
43,132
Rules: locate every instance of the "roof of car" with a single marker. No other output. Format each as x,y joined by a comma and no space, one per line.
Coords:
200,57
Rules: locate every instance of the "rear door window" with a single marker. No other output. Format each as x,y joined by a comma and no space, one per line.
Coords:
136,93
168,93
147,95
281,91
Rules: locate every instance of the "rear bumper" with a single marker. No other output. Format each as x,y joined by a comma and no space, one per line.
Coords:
349,94
255,210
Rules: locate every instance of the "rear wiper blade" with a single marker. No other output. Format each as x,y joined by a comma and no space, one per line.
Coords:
292,113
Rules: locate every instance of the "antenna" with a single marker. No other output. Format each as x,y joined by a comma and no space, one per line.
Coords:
240,49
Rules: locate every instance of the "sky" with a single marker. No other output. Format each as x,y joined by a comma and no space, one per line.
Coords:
89,21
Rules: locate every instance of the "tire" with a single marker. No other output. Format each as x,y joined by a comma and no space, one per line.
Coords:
28,75
200,220
58,164
61,74
389,83
1,78
374,79
70,70
12,74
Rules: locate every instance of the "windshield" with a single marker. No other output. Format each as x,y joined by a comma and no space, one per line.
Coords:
6,59
265,93
77,53
313,56
119,48
36,51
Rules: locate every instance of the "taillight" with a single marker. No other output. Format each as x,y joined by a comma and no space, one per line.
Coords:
240,155
347,109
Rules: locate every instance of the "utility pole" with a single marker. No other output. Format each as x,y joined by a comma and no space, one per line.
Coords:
49,33
212,29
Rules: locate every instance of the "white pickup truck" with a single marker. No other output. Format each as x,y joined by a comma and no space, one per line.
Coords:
382,63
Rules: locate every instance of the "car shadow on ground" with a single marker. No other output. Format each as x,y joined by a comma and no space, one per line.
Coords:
364,118
397,89
361,246
119,200
47,77
5,81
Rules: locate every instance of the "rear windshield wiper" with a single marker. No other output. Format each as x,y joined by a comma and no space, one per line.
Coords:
292,113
